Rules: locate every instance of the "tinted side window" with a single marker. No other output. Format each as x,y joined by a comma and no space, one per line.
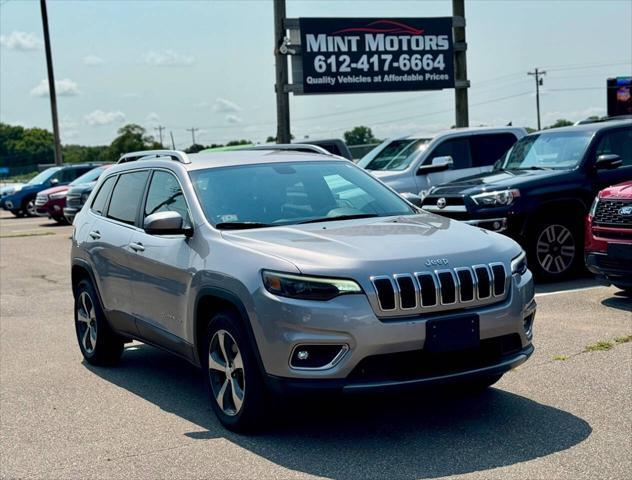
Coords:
100,199
486,149
618,142
458,149
126,196
165,195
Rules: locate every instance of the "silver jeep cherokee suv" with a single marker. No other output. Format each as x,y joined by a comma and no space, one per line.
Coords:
278,271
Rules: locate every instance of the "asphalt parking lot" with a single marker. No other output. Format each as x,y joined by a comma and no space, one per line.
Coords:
567,413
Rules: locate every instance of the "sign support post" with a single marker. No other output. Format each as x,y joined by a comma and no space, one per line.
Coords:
461,109
282,96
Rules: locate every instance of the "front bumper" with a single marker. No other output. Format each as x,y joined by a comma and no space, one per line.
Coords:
610,270
283,324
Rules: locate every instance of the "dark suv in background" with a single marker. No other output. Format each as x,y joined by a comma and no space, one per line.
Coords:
542,190
22,200
80,190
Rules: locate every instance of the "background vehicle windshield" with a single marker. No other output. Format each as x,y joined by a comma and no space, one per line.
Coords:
563,150
288,193
43,176
88,177
397,155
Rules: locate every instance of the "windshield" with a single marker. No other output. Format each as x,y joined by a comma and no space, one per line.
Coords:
90,176
397,155
561,151
43,176
289,193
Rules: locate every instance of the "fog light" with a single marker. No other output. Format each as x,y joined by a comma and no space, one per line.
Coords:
316,357
496,225
527,324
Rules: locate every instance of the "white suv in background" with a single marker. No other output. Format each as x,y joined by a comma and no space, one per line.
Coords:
414,163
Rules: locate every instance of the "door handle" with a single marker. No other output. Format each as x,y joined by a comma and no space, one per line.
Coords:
95,234
137,247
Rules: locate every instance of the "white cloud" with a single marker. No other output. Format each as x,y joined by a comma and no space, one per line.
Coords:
92,60
223,105
63,88
99,117
22,41
234,119
167,58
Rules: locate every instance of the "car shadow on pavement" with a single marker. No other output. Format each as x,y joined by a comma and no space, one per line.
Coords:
421,434
620,300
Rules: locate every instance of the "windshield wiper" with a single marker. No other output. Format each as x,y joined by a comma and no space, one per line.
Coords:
536,167
341,217
241,225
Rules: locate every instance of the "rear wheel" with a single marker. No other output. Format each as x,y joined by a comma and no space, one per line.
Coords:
555,248
98,343
232,376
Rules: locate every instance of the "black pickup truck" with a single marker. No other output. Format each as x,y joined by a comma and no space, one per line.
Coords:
540,193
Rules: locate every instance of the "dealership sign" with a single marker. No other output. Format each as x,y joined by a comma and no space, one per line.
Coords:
356,55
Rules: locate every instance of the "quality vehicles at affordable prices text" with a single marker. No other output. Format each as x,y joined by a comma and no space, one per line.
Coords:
542,191
281,271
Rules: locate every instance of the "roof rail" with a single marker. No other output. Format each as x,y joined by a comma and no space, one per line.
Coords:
296,147
146,154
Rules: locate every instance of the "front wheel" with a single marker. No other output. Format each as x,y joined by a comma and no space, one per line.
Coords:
232,375
29,207
555,249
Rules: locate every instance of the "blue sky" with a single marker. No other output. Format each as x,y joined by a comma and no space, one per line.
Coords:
210,65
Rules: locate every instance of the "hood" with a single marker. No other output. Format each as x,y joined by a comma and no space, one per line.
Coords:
500,180
82,187
386,175
59,189
9,188
378,246
622,191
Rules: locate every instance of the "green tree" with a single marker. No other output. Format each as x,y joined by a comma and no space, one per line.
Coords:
233,143
360,136
562,122
195,148
131,138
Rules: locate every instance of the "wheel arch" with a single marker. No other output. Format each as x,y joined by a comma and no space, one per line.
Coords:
551,208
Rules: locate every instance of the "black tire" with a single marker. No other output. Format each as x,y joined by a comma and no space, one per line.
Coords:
90,323
28,207
555,248
247,381
18,213
61,220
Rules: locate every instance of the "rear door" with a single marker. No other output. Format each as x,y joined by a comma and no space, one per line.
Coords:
487,149
108,244
161,267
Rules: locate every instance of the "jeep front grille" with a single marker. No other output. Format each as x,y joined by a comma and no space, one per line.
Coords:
439,290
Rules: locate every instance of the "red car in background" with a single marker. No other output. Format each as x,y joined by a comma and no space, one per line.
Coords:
51,202
608,246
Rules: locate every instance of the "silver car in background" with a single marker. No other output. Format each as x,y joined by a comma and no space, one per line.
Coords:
279,271
412,164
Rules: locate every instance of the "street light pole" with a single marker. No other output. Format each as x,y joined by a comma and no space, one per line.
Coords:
51,83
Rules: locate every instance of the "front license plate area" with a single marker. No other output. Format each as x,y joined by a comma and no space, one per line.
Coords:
620,251
450,334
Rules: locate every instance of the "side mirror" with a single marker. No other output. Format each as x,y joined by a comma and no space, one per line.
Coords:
54,181
166,223
439,164
416,200
608,161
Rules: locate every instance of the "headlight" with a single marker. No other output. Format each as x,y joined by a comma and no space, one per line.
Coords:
307,288
497,198
593,207
57,196
519,264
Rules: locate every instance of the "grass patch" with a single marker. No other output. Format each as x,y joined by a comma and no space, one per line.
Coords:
26,234
600,346
561,357
623,339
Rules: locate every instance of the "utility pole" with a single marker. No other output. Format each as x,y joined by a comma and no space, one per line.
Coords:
192,130
461,109
538,82
282,96
173,143
160,128
51,83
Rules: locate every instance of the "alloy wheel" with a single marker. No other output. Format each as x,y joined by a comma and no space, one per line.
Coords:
555,249
87,322
226,372
30,208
